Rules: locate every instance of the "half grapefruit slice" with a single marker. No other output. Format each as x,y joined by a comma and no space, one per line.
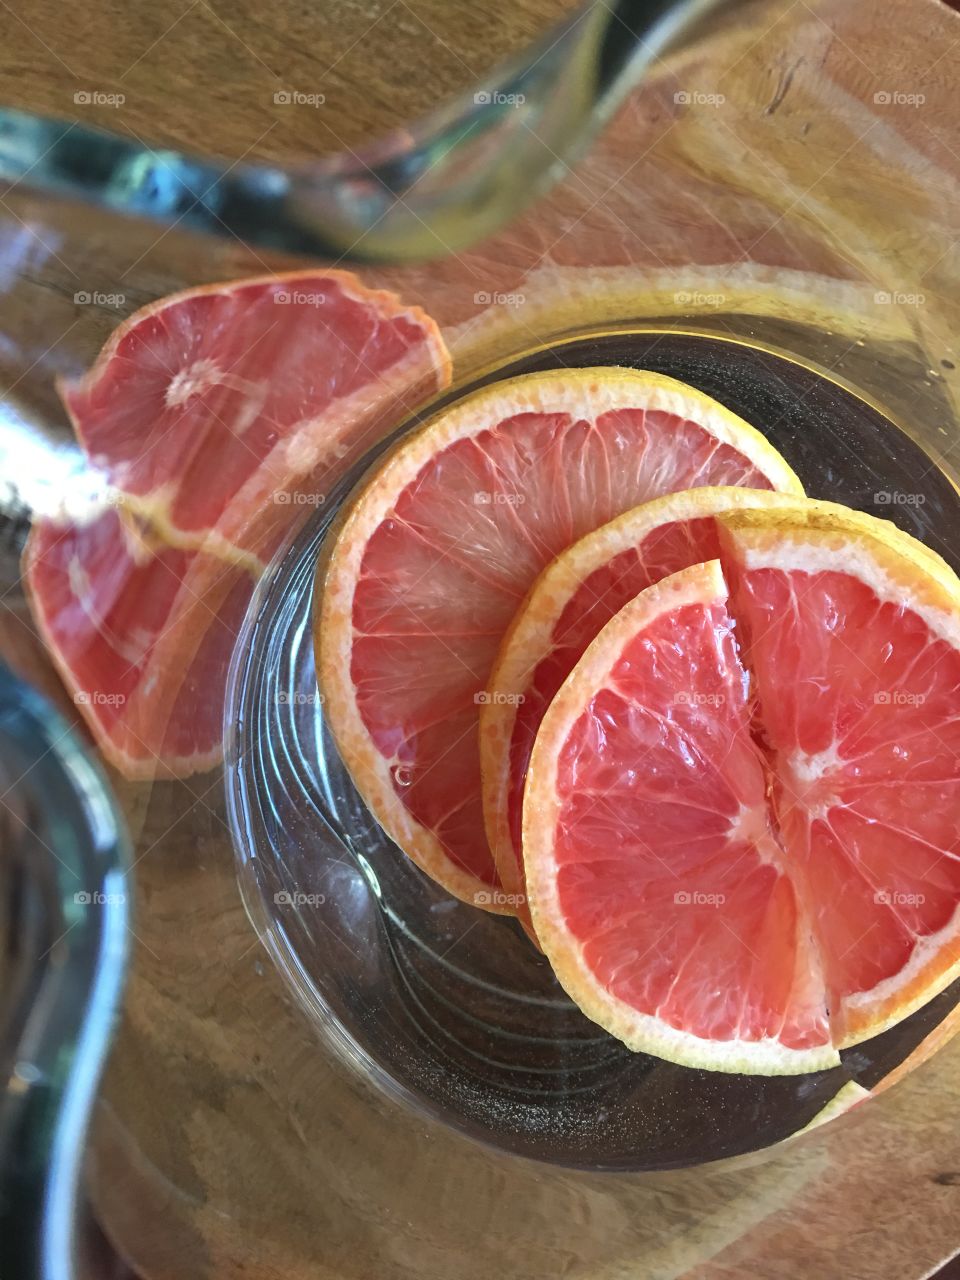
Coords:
743,855
210,408
655,880
141,634
440,546
854,647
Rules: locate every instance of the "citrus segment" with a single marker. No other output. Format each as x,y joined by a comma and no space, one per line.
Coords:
438,550
141,636
211,407
855,650
570,602
656,882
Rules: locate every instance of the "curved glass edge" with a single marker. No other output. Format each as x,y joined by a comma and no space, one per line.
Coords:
69,863
451,180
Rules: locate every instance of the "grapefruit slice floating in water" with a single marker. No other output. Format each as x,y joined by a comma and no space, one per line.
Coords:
855,650
437,551
742,853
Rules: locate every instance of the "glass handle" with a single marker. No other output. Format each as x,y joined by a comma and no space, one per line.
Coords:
64,864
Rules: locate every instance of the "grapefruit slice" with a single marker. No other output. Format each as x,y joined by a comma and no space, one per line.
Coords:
437,551
219,415
743,855
213,406
855,650
570,602
141,635
654,876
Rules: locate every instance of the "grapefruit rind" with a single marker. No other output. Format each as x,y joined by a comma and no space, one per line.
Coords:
588,392
818,537
644,1033
530,635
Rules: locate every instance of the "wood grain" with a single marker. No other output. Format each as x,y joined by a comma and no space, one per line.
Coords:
202,74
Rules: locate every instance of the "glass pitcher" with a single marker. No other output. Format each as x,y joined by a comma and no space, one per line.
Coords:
324,1065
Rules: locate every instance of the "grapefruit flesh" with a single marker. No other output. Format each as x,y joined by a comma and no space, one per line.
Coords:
740,852
210,407
212,414
438,550
142,637
858,694
570,602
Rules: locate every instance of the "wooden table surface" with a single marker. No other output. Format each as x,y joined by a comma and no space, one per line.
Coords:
203,75
226,1144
